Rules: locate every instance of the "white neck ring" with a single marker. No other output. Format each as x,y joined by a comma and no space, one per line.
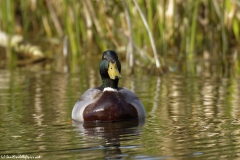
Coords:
110,89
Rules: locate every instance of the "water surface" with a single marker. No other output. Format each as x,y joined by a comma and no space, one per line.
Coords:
188,117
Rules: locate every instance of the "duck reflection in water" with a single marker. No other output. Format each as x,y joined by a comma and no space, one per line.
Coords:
112,134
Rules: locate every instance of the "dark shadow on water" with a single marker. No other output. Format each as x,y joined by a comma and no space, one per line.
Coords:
112,134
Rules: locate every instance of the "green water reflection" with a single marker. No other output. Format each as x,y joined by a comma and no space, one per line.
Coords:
188,117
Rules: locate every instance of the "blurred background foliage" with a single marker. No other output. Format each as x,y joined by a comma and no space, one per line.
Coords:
148,33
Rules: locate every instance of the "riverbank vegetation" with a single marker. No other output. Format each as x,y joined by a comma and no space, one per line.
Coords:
149,33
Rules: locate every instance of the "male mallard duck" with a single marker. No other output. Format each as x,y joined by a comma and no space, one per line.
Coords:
108,102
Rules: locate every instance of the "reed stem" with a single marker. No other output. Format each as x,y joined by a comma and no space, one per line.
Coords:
130,54
193,30
157,62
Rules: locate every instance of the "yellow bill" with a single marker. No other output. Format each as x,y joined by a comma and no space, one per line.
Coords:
113,71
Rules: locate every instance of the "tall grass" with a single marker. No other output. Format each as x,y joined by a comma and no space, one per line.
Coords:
7,17
177,30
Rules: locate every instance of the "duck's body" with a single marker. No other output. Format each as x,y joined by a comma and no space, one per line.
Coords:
98,105
108,102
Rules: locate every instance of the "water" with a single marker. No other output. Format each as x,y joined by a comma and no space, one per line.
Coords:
188,117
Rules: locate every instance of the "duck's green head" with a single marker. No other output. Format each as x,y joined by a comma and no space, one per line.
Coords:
110,69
